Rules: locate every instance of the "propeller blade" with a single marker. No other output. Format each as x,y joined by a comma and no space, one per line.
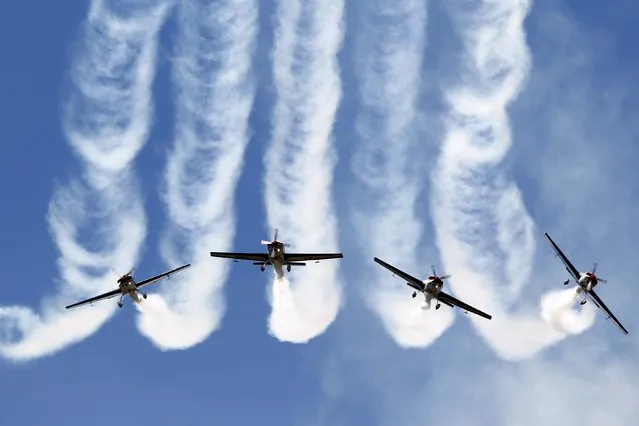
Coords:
594,267
444,277
118,276
601,280
286,245
275,236
265,243
432,267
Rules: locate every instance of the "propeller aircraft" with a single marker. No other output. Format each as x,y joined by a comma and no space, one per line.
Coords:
126,285
431,288
277,256
586,282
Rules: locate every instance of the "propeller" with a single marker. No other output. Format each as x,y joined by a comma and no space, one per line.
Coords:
266,243
432,267
594,269
125,275
119,277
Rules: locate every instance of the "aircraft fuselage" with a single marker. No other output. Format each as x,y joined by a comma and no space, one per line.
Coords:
276,258
432,287
127,287
587,281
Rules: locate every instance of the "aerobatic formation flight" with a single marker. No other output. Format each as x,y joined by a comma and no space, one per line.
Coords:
431,287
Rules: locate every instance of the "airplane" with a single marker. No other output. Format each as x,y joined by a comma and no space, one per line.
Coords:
586,283
126,285
431,288
277,257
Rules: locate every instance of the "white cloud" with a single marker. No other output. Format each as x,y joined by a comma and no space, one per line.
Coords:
558,389
299,164
97,222
389,50
212,74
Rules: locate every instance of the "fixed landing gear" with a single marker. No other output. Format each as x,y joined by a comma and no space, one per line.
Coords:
288,268
262,268
414,294
144,295
119,304
566,282
583,302
437,306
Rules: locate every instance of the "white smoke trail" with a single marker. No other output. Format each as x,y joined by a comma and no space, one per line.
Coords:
300,160
98,223
390,51
214,99
556,310
482,227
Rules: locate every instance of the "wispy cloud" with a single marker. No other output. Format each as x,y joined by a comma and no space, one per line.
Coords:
97,221
300,161
390,46
214,99
483,229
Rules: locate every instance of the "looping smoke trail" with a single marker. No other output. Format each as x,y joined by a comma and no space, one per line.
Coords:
98,223
389,60
214,99
482,226
300,161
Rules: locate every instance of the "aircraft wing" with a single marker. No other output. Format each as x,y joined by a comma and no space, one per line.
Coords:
603,306
569,266
257,257
103,296
447,298
300,257
157,277
410,280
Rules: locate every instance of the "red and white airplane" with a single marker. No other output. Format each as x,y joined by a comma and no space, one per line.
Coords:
586,283
277,257
127,286
431,288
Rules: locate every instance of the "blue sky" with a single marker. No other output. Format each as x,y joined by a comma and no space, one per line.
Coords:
419,132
